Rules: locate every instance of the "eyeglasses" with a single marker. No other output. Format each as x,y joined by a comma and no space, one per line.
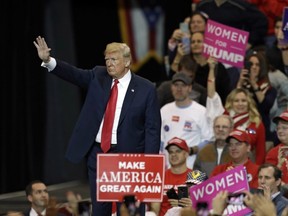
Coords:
221,127
237,144
281,128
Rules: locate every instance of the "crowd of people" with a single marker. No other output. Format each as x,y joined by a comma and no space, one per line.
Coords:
207,118
245,108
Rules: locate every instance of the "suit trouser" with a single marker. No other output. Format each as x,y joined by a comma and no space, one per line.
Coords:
101,208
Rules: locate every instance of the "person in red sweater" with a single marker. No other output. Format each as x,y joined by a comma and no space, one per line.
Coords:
239,148
174,176
279,154
272,9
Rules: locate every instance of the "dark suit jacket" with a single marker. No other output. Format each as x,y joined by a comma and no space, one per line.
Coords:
140,121
27,213
280,202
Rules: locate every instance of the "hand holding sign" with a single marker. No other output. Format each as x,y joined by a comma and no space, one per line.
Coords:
234,180
219,202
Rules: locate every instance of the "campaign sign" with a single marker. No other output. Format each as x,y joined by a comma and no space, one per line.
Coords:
141,175
234,180
225,43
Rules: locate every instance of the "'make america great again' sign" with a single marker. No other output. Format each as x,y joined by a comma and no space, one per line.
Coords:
126,174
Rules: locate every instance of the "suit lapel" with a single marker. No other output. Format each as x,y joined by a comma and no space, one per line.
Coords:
107,81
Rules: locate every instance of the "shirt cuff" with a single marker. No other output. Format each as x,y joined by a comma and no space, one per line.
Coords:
49,65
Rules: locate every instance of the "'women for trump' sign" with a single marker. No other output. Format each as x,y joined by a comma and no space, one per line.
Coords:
226,44
234,181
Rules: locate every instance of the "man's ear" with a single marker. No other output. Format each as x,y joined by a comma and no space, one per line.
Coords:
278,182
127,64
29,197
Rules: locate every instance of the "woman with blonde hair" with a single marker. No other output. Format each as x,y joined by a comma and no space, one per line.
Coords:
242,108
252,112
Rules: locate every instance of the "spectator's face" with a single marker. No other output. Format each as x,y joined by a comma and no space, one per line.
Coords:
266,180
180,91
255,68
238,150
39,197
222,128
115,63
240,103
278,29
177,156
197,23
282,131
197,43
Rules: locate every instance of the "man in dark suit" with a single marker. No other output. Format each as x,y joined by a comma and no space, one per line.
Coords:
37,194
137,121
269,180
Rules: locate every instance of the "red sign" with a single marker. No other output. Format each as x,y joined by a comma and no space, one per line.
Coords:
141,175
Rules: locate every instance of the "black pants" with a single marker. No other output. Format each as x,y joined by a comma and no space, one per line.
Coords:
101,208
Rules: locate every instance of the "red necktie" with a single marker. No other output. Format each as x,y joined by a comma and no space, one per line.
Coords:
109,118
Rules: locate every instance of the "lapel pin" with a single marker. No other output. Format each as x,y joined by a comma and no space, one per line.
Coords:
132,90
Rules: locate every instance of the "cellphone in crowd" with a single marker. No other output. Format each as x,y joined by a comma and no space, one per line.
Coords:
256,191
184,27
236,198
182,193
202,209
84,208
130,202
247,66
186,44
171,194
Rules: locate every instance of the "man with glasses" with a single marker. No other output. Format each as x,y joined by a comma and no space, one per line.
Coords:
238,144
216,152
279,154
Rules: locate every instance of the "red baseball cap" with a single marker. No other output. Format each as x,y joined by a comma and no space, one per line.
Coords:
240,135
178,142
283,116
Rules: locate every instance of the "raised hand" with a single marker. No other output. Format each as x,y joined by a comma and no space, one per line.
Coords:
43,49
219,202
212,62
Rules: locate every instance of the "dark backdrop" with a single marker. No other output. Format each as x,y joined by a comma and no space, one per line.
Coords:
38,111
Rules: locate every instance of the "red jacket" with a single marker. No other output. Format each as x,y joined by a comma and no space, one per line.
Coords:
251,168
272,9
272,157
